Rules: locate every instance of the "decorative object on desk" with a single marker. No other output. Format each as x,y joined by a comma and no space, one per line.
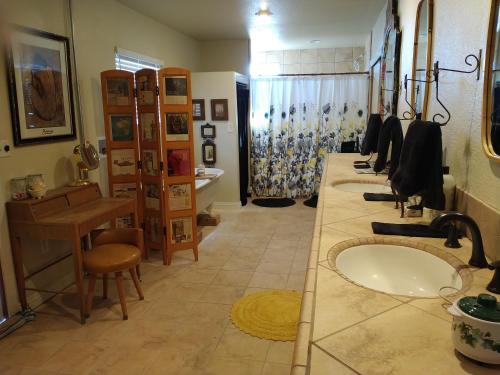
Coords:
87,159
122,128
40,87
273,202
177,127
208,151
208,131
36,186
271,314
476,327
198,109
179,163
219,110
175,90
200,172
18,189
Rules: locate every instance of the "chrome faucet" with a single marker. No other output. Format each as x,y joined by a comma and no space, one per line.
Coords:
477,259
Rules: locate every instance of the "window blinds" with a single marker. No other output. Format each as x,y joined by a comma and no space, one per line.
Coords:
132,61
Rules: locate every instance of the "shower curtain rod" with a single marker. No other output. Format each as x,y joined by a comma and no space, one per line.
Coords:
321,74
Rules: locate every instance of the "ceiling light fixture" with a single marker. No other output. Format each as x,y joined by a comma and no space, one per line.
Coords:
264,11
315,41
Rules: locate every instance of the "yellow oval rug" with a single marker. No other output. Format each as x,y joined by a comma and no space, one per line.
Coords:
271,314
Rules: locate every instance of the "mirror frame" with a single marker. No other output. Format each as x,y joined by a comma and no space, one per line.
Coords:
430,28
376,64
397,61
487,97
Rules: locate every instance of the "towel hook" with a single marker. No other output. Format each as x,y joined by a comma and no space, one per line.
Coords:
408,115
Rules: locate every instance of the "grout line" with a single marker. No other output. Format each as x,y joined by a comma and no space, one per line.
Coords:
335,358
357,323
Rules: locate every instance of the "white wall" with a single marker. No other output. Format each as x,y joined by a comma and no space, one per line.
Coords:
220,85
100,25
225,55
378,35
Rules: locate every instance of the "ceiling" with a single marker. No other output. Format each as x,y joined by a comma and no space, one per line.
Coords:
294,23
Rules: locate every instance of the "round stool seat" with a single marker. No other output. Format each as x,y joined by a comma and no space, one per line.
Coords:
111,257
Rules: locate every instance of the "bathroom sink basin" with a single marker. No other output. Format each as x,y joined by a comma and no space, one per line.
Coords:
397,269
362,187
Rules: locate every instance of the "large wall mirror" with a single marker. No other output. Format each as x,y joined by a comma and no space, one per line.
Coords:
390,70
422,57
491,101
375,86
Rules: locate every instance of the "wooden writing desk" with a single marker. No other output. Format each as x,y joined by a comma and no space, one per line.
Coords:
68,213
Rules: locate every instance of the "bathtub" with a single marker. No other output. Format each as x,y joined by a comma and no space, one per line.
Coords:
206,190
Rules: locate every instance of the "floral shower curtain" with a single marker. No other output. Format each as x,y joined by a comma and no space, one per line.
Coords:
295,122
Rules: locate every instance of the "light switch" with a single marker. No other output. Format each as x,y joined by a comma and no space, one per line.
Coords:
230,127
5,148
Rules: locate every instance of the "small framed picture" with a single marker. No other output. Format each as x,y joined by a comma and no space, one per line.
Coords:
177,127
199,109
123,162
181,230
152,196
208,131
40,87
122,128
127,190
179,197
148,127
146,89
175,90
150,162
153,230
208,152
219,110
118,91
179,162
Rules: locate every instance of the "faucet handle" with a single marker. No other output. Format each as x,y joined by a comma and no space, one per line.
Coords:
452,240
494,285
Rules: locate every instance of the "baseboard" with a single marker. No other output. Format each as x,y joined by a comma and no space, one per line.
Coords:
227,204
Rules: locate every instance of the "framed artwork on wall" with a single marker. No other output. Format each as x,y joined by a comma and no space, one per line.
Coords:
40,87
208,151
208,131
198,109
219,110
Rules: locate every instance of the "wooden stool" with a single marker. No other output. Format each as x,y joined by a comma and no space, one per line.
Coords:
114,250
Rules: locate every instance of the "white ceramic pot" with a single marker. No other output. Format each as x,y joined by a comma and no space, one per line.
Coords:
475,338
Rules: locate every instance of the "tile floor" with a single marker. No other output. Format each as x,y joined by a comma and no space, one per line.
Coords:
182,327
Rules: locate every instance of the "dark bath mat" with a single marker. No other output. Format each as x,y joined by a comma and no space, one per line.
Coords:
312,202
273,202
410,230
379,197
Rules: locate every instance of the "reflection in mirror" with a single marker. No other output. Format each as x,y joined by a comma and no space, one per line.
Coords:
375,87
422,57
390,72
491,110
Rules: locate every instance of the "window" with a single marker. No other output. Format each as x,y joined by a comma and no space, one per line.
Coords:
132,61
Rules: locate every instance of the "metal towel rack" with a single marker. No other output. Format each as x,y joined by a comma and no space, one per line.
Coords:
470,60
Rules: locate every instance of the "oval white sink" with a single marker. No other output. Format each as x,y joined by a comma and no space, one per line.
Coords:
362,187
397,270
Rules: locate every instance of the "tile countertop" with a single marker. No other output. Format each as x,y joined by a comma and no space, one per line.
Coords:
346,329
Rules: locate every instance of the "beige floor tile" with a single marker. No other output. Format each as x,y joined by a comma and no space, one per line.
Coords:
268,280
340,303
296,281
197,276
280,352
387,344
322,363
222,294
233,278
237,344
231,366
282,244
282,267
237,263
275,369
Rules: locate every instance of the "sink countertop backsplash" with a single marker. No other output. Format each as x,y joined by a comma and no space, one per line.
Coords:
348,329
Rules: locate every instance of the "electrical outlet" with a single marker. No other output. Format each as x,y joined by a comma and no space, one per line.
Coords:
5,148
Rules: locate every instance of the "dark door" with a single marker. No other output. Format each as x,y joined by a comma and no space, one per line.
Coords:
243,97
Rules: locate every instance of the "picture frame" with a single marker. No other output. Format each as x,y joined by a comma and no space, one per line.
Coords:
198,109
123,162
179,197
118,91
181,230
175,90
179,162
122,127
208,131
150,165
177,126
148,127
219,110
40,86
209,152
